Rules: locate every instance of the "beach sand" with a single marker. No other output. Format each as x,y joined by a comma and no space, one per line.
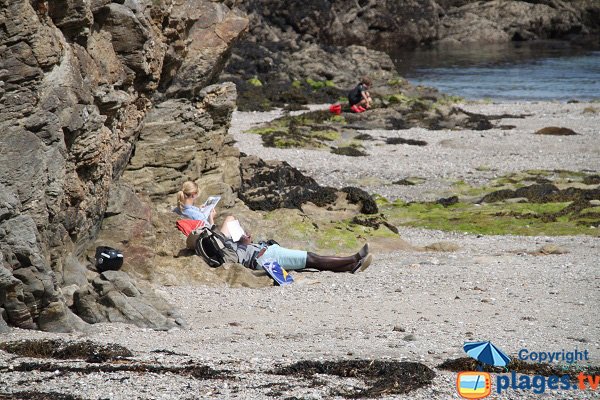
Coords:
408,306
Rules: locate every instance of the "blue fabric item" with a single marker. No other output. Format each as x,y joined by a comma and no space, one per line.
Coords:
287,258
486,353
279,275
191,212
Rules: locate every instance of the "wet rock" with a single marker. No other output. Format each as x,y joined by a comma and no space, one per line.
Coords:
268,185
357,195
555,131
399,140
374,221
448,201
543,193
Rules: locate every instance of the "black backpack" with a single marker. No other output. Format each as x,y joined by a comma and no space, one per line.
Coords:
108,259
214,248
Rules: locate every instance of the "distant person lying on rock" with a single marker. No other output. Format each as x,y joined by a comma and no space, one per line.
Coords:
359,97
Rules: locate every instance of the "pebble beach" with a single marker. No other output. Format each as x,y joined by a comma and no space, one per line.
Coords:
409,306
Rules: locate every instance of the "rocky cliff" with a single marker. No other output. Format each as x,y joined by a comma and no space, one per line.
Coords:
390,24
84,88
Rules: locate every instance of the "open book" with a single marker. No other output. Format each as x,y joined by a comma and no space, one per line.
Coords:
209,204
235,230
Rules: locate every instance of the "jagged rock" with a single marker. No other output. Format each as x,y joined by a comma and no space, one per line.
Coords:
390,24
3,325
500,21
214,29
77,81
57,317
12,300
116,297
341,66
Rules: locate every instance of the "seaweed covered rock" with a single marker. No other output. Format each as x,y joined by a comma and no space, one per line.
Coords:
269,185
543,193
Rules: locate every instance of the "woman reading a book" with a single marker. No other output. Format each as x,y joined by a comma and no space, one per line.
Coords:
186,208
185,204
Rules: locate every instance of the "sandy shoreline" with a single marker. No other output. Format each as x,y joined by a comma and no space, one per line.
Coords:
409,306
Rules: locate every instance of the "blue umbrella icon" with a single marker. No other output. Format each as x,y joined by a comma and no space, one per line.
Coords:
486,353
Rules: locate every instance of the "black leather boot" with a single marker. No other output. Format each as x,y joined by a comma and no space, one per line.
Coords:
331,263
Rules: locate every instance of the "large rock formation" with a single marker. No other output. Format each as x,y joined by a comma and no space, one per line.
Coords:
77,81
390,24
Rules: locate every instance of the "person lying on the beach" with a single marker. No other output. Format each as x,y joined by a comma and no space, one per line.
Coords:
359,97
252,255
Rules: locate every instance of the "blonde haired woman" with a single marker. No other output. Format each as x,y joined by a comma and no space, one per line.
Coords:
186,208
185,204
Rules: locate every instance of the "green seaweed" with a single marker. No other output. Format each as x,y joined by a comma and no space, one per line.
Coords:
328,135
316,85
254,81
488,219
338,119
396,82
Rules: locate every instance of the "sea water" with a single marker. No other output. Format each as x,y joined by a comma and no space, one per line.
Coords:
530,71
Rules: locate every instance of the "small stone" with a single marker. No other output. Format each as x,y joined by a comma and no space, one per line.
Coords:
410,338
398,329
552,249
442,246
556,131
